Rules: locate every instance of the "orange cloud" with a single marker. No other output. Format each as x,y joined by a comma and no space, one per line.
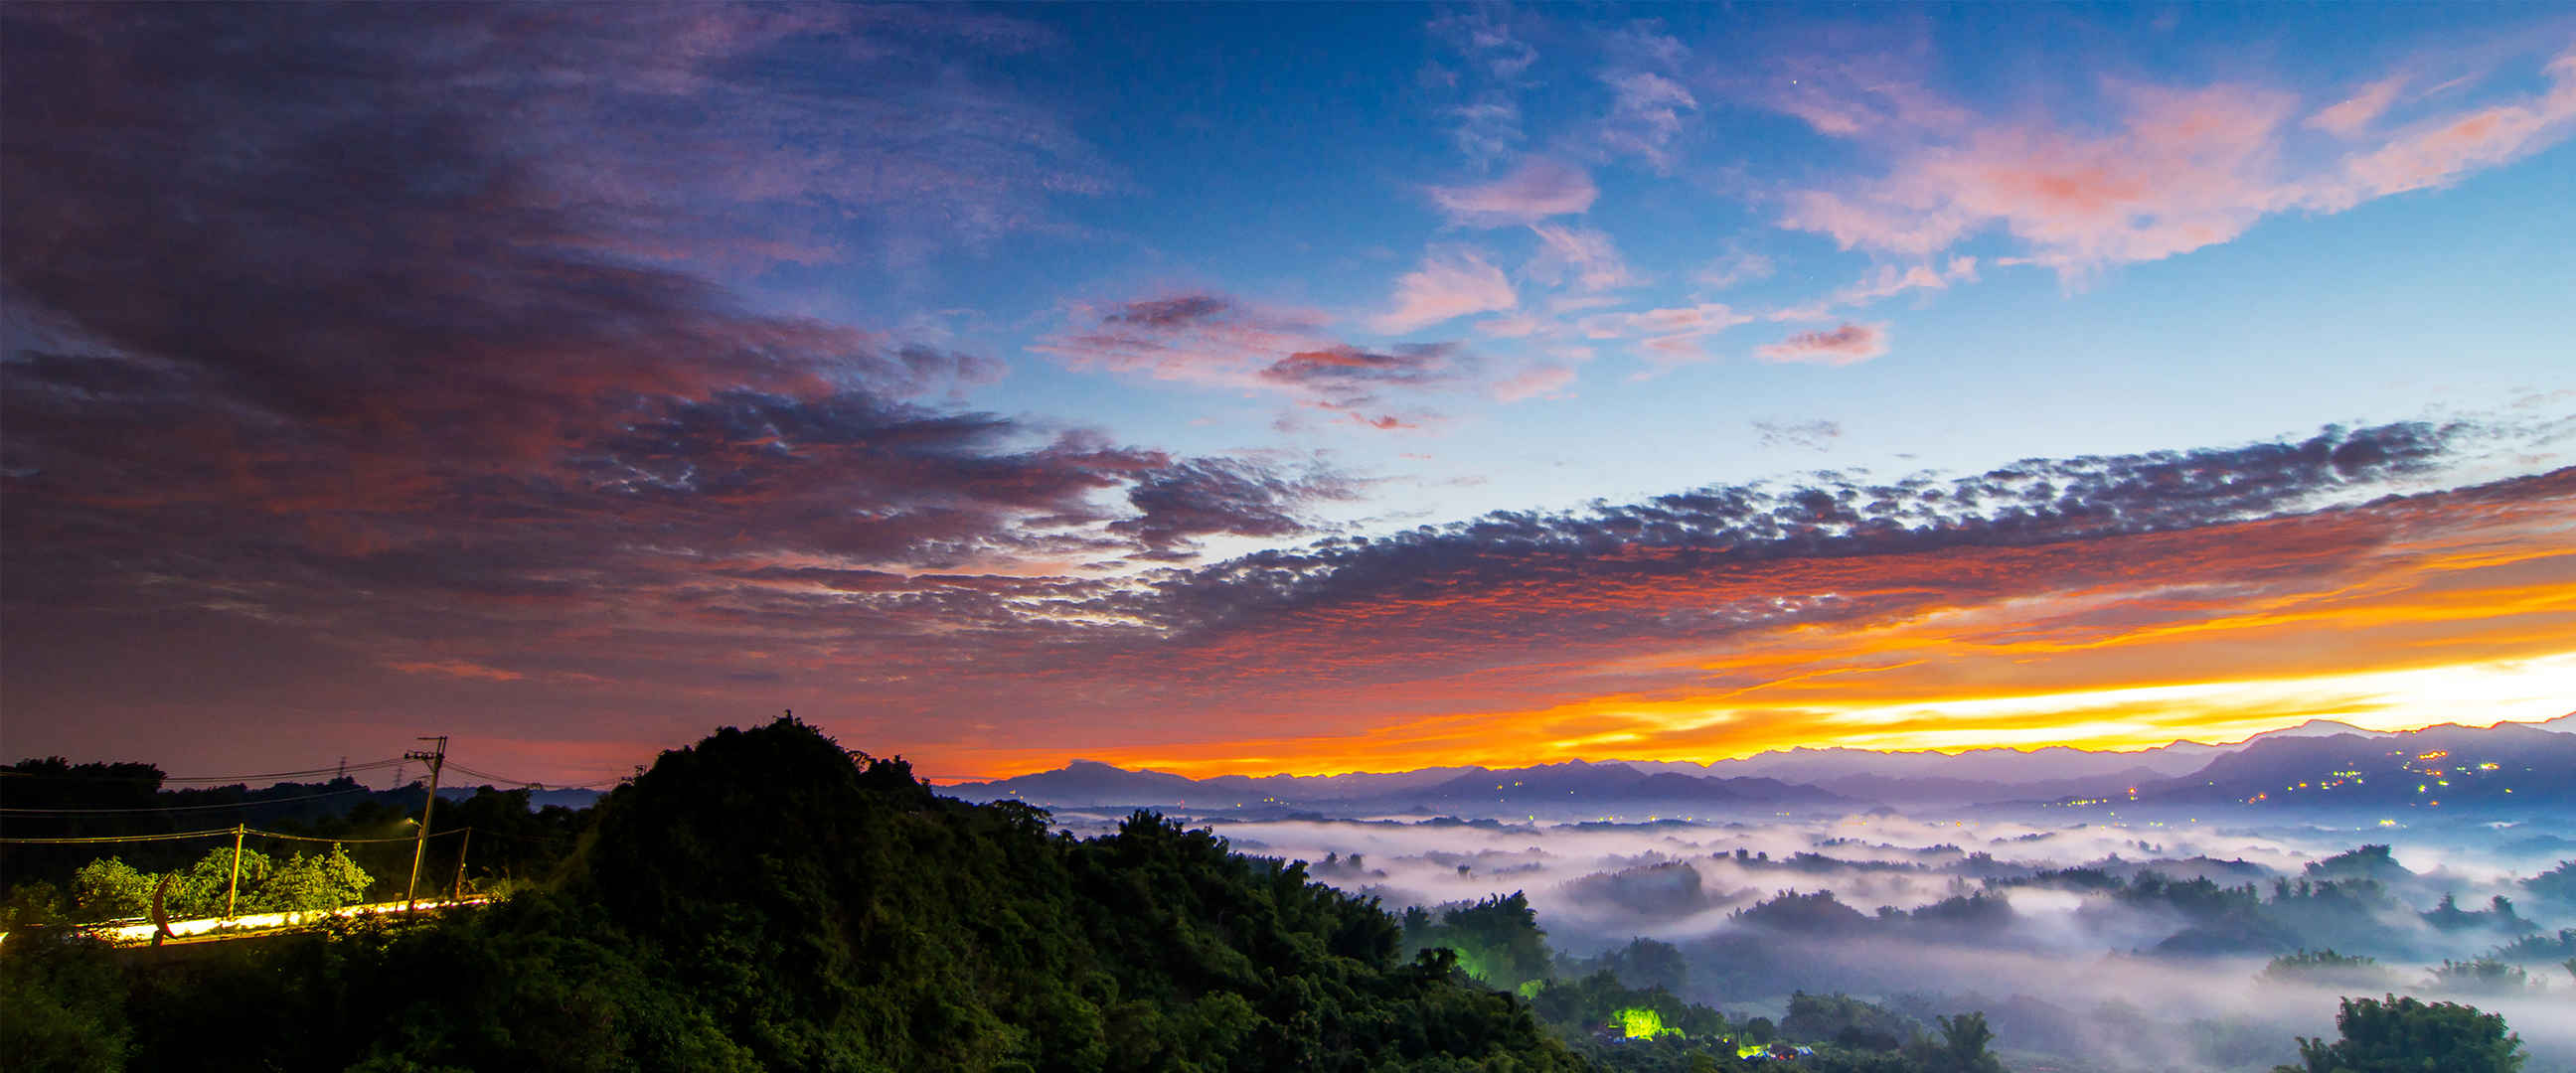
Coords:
2442,608
458,668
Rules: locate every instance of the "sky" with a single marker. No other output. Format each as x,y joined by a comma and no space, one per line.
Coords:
1259,388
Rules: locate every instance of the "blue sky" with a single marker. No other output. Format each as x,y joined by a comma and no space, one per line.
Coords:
1287,156
999,384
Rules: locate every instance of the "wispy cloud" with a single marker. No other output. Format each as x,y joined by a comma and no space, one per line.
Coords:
1490,64
1354,382
1886,281
1646,116
1814,434
1193,337
1582,256
2349,116
1647,99
1536,382
1847,345
1671,335
2184,168
1447,286
1541,187
1219,341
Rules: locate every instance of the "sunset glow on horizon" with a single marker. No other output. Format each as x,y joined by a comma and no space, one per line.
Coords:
1278,388
2377,646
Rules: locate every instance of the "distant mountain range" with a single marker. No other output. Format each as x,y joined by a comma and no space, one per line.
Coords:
1576,785
2265,769
2510,764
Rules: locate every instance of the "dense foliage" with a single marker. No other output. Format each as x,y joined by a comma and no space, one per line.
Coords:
2328,968
1497,940
245,881
762,901
2404,1035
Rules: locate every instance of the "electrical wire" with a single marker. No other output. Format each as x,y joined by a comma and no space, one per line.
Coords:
209,833
336,841
504,780
46,811
112,838
335,769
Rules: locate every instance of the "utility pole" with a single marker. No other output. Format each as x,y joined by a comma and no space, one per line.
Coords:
466,843
235,890
437,757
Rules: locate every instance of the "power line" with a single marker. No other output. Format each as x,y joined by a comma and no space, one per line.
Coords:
508,781
113,838
216,779
217,831
336,841
71,811
335,770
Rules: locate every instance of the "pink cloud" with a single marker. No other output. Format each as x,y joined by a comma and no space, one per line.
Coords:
1532,383
1447,286
1645,115
1846,345
1213,340
1539,188
2348,117
2436,151
1887,281
1582,254
1670,336
1885,219
1194,337
1704,317
2180,169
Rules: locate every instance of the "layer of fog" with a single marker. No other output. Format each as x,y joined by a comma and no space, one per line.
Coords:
2069,969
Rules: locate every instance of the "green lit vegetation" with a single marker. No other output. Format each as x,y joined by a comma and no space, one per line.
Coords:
1637,1023
110,889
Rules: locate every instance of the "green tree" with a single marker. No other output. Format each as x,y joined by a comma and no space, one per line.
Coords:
1497,939
1961,1048
62,1006
2485,976
110,889
1846,1021
2405,1035
32,903
321,881
202,888
2327,967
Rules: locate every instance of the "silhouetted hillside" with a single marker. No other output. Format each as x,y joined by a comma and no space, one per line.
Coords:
764,900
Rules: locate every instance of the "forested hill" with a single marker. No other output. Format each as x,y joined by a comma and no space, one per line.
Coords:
759,901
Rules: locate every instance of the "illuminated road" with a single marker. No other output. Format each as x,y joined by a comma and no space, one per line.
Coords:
254,925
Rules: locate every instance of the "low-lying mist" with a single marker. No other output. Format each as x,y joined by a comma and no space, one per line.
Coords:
2167,943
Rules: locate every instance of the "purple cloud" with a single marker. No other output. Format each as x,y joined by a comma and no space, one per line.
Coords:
1846,345
1541,187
